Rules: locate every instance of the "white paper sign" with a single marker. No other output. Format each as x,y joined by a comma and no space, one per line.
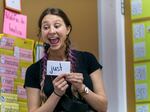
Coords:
13,4
141,91
139,31
136,7
139,50
140,72
58,67
142,108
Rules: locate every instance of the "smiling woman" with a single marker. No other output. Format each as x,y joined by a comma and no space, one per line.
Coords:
54,30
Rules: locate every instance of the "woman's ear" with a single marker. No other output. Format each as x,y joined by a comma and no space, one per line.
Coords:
68,30
39,34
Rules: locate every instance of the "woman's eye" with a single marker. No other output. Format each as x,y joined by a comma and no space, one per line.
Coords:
45,27
57,25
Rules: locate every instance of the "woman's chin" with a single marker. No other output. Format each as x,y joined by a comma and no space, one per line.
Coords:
55,47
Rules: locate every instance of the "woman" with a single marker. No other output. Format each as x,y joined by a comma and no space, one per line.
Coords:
81,90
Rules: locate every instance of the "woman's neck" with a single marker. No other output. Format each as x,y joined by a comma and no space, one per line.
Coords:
57,55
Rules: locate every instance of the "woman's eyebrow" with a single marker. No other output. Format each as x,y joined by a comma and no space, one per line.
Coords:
44,22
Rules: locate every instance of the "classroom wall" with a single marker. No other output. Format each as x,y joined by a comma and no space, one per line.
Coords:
82,13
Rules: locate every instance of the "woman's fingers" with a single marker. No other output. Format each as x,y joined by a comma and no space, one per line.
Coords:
64,87
75,77
60,84
59,77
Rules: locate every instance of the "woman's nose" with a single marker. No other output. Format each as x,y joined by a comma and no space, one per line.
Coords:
52,30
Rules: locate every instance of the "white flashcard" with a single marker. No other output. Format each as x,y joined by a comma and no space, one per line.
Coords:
140,72
58,67
141,91
139,50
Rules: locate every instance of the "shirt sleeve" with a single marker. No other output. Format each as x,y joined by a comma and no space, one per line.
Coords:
32,77
92,62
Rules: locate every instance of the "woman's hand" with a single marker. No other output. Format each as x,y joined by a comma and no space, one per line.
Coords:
76,79
60,85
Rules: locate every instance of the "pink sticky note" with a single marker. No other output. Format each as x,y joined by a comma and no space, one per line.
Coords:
8,70
7,81
15,24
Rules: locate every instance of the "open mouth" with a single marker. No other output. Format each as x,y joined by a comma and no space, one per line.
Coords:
54,40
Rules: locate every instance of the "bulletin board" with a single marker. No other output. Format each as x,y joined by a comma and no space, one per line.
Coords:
16,55
85,26
137,22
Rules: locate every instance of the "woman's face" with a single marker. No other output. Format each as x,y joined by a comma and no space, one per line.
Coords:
54,31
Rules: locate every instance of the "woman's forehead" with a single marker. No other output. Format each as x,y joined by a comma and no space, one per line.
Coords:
52,18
